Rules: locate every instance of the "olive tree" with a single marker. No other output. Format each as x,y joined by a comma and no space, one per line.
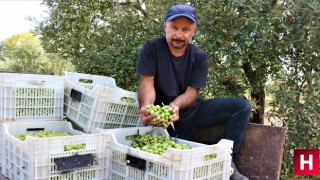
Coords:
247,41
103,37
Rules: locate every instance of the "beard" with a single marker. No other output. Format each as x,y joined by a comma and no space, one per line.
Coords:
178,43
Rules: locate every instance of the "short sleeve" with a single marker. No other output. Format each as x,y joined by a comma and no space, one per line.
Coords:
200,71
147,61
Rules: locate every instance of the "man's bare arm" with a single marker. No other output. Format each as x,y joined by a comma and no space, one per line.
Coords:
146,91
183,101
187,98
147,95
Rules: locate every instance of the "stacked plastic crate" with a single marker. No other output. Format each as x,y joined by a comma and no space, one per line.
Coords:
107,114
93,101
31,103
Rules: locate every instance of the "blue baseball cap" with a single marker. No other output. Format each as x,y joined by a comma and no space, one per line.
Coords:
182,10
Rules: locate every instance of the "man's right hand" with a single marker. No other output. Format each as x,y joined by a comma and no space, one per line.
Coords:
175,109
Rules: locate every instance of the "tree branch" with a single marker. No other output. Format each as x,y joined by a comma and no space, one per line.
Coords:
137,6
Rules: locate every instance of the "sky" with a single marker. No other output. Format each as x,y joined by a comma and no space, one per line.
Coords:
13,14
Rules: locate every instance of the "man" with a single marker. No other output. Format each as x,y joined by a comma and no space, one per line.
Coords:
172,71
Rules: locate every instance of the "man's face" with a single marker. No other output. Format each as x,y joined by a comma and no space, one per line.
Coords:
179,32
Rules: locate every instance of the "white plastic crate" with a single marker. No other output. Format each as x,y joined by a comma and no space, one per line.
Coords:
45,158
93,101
126,162
30,97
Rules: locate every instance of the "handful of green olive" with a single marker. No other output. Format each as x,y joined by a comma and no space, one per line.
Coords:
163,113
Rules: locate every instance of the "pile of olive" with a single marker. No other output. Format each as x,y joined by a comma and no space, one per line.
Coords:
156,144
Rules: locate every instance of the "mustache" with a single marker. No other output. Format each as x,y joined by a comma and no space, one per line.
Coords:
178,40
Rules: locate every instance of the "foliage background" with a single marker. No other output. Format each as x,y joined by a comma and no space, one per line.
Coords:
24,53
257,48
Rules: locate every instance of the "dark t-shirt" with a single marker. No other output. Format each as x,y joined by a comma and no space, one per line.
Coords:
173,74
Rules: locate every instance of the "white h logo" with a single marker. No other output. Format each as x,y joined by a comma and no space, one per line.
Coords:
303,162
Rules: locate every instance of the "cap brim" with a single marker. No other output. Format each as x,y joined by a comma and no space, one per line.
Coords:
179,15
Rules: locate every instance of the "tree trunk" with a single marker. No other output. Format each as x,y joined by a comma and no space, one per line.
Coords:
258,115
257,93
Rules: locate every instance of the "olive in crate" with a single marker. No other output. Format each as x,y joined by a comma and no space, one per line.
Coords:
46,134
156,144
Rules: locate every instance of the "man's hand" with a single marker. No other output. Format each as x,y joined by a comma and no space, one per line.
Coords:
175,110
146,118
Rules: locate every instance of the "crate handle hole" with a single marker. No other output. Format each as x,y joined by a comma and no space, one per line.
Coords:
35,129
87,81
128,100
34,82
